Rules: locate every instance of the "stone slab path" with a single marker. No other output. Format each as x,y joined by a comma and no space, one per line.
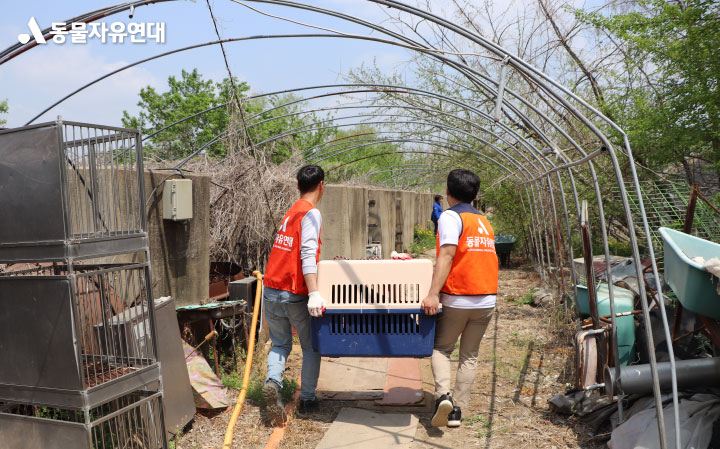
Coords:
361,429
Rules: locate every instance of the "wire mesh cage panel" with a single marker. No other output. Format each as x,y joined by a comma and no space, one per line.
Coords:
666,204
132,421
76,190
75,335
374,284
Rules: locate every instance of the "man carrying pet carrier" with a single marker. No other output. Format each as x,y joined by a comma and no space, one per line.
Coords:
291,295
465,281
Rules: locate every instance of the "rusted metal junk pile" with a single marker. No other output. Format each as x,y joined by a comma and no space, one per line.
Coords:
78,364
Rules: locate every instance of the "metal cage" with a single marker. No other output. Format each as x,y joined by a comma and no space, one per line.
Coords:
76,335
75,190
133,421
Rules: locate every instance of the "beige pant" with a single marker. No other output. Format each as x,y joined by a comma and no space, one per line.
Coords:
453,323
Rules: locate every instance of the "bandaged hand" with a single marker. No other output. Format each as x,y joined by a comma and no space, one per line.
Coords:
316,304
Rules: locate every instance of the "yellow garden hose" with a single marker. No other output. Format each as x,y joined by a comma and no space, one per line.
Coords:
230,431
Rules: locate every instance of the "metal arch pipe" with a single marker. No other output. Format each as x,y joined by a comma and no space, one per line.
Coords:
475,76
422,92
532,204
497,149
422,141
537,190
343,107
217,138
223,41
554,233
415,91
447,145
520,139
417,47
355,36
174,51
443,144
476,125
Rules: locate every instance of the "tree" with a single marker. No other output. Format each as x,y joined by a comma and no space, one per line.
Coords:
265,118
671,105
3,110
186,96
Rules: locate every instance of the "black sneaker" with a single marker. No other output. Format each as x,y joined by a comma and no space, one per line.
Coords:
443,407
272,393
307,406
454,417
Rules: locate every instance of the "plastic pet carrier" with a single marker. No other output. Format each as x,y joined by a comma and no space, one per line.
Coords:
373,309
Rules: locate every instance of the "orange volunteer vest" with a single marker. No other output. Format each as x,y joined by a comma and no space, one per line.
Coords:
284,267
474,269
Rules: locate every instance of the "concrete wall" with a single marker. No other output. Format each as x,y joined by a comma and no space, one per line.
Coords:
180,251
355,216
344,228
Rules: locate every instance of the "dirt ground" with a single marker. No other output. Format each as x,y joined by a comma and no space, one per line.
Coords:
525,358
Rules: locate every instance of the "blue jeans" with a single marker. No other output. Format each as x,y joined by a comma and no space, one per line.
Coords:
283,310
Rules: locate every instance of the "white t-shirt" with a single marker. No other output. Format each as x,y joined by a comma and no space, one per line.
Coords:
310,240
449,230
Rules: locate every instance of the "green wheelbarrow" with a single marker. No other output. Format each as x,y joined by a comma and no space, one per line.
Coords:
503,245
695,287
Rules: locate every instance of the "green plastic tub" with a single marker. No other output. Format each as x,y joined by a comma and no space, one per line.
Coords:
694,286
504,243
624,301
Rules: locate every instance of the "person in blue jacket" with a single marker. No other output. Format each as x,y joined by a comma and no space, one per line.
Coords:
437,210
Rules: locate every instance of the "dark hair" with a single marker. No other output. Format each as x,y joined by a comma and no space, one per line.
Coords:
309,177
438,198
463,185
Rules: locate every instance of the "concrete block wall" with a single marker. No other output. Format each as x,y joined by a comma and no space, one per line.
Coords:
355,216
344,227
180,250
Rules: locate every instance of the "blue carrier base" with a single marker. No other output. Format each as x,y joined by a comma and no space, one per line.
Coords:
374,333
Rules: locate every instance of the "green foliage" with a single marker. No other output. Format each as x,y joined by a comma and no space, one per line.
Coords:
232,380
185,96
354,154
191,94
423,240
526,299
254,392
475,419
523,300
3,110
670,101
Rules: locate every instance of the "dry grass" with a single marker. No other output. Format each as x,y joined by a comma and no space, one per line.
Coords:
249,196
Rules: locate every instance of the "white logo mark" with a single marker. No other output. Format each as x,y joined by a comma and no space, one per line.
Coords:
24,38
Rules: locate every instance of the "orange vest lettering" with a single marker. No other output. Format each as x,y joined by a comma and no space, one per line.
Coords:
474,269
284,267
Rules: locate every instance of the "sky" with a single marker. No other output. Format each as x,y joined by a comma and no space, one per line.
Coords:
37,78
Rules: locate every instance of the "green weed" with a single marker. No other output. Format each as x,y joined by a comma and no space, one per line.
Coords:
423,240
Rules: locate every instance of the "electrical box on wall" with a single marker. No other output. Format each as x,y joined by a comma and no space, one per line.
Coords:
177,199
